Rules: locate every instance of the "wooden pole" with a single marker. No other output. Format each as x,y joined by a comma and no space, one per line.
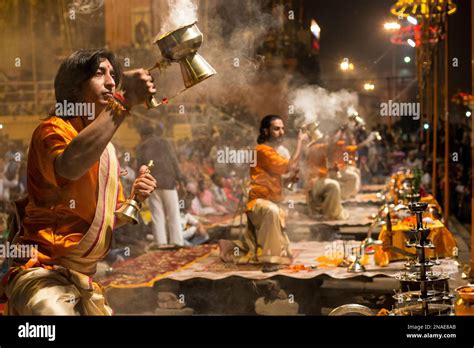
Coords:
422,89
435,122
429,88
446,121
429,104
472,143
33,57
424,75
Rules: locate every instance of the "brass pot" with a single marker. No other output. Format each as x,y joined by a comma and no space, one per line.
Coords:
464,303
181,46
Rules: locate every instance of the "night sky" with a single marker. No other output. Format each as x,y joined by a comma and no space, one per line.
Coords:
354,29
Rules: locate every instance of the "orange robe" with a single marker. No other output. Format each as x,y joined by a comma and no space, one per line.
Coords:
317,162
338,155
323,193
265,240
60,211
68,227
441,237
265,177
344,154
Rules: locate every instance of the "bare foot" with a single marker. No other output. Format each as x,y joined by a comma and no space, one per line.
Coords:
225,252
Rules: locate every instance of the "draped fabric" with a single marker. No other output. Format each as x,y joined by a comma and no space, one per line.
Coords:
60,212
265,239
69,226
265,177
441,237
317,162
58,291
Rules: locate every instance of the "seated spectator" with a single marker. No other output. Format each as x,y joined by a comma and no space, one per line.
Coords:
207,198
196,207
194,232
9,178
223,192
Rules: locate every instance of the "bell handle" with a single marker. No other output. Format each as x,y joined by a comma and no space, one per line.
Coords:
149,165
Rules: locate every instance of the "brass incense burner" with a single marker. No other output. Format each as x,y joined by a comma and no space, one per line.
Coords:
181,46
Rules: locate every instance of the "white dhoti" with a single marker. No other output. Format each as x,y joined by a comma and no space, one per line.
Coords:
325,195
40,291
349,181
265,240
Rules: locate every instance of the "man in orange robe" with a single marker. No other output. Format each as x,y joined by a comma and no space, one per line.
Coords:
74,189
323,193
345,158
265,240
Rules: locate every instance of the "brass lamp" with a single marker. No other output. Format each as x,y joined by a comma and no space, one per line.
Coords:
181,46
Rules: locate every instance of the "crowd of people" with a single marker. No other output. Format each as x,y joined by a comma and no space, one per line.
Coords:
402,147
191,187
206,187
12,172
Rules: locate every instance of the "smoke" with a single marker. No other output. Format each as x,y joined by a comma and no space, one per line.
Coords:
181,13
233,32
314,103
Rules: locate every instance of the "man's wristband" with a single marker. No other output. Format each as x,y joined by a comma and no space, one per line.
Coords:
120,98
117,103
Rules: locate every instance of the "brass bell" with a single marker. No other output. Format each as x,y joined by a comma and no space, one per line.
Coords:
356,266
129,211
